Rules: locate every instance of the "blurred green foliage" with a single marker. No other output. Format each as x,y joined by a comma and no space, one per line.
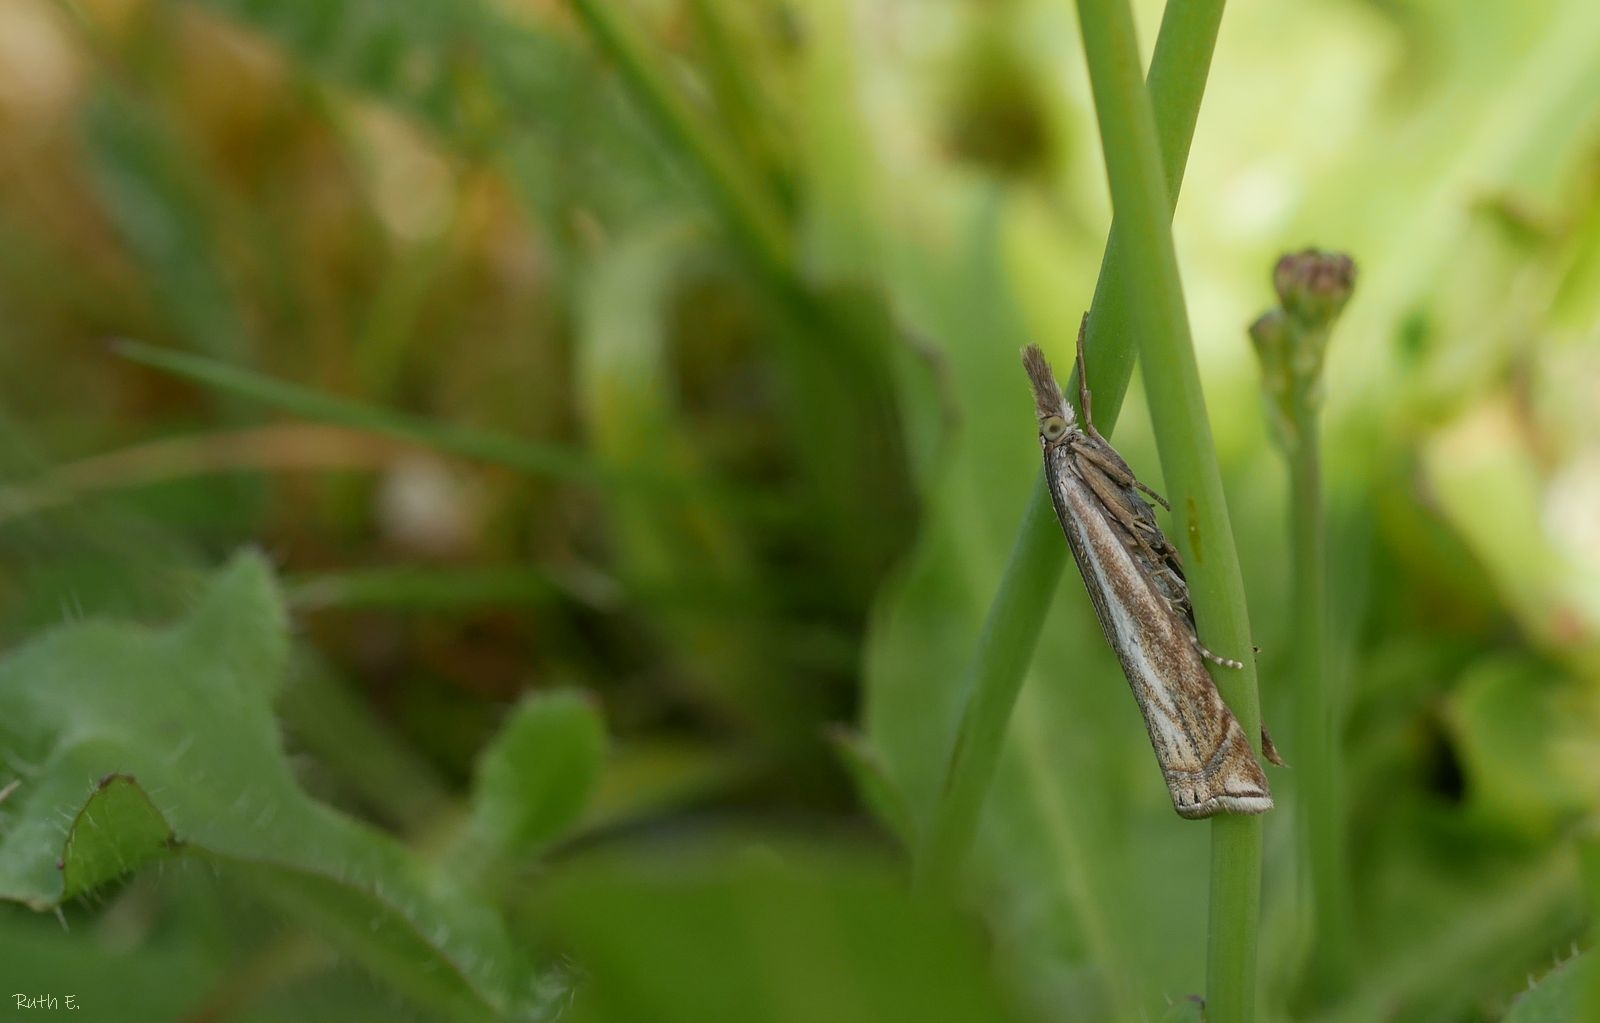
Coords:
665,353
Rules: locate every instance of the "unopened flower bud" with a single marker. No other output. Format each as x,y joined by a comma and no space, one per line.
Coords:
1270,334
1313,285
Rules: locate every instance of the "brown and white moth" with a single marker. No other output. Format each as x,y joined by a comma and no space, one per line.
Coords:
1136,583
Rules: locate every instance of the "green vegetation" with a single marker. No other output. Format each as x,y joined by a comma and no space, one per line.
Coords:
516,511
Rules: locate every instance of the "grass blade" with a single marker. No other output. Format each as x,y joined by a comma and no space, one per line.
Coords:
1189,468
532,457
1011,627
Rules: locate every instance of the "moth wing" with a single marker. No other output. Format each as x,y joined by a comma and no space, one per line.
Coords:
1057,463
1208,766
1230,782
1099,464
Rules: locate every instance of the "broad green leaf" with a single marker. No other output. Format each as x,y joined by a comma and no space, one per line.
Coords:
1486,473
162,979
1449,937
728,936
536,778
130,744
1558,996
1525,735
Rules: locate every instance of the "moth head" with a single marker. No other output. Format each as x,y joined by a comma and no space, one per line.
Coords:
1055,417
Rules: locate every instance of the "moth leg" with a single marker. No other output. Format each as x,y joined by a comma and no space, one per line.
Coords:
1153,495
1226,662
1185,611
1111,463
1178,603
1117,468
1108,476
1139,529
1139,532
1177,593
1115,500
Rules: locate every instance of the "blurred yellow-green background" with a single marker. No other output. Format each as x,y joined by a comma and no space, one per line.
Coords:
624,438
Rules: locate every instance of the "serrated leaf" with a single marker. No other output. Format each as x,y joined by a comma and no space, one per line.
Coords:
118,830
1558,997
129,743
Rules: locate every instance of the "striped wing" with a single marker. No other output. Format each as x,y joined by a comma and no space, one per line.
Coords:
1208,766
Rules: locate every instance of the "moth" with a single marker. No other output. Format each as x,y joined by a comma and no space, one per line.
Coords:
1136,583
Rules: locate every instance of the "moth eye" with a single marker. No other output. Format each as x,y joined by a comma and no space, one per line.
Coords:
1053,427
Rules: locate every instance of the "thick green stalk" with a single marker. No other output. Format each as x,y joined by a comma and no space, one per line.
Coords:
1015,617
728,73
1005,646
1292,341
1189,470
1178,70
1321,819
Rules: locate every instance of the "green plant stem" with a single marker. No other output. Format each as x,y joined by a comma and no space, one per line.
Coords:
1177,83
735,90
1320,804
751,214
1015,617
1005,646
1189,470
